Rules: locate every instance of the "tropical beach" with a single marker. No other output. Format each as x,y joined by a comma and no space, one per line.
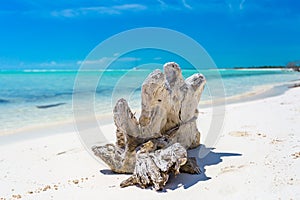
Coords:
31,98
256,156
159,99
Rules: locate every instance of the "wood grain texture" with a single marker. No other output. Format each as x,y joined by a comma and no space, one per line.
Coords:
155,145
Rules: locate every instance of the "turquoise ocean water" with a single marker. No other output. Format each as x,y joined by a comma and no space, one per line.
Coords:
36,97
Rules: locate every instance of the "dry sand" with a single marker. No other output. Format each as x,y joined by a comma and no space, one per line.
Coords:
257,157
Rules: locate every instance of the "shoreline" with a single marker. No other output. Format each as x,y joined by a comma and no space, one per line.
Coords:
37,109
260,92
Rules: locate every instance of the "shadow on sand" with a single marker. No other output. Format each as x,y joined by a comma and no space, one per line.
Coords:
188,180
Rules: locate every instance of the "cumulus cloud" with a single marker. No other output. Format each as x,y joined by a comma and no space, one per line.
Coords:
109,10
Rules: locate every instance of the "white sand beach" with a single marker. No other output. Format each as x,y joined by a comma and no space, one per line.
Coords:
257,157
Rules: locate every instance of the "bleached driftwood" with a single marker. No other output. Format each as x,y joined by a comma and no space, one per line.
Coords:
153,168
157,143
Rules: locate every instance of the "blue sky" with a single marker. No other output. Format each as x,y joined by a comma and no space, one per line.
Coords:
60,34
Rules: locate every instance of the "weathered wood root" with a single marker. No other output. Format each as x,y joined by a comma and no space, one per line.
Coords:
114,156
157,143
154,168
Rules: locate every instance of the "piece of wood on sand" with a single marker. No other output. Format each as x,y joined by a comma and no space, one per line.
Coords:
156,145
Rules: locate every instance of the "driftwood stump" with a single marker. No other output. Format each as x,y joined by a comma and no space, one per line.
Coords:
155,145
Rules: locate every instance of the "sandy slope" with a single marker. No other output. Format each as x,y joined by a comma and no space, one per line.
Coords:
253,159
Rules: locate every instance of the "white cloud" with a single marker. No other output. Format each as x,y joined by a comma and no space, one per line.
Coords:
98,10
132,7
128,59
236,6
175,6
64,13
162,3
94,62
48,64
109,10
106,60
185,4
242,4
230,6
